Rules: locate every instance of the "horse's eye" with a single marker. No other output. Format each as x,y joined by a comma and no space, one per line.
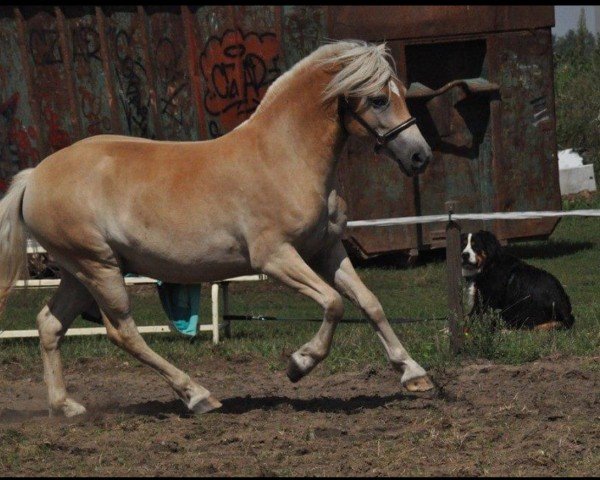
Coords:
379,102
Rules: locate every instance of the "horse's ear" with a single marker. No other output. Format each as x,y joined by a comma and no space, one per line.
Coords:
491,244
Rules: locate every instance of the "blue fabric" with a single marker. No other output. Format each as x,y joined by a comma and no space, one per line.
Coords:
181,303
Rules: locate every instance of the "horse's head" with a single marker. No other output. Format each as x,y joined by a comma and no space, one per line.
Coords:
371,103
384,117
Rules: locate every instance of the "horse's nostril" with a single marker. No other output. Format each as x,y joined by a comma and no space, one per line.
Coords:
418,161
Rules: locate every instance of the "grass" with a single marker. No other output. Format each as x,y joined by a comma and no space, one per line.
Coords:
572,254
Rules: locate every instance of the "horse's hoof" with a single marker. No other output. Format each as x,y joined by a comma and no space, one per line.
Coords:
205,405
419,384
71,408
294,372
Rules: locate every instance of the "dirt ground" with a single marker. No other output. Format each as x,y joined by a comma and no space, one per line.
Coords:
542,418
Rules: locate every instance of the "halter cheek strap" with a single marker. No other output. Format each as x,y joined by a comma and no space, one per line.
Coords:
382,140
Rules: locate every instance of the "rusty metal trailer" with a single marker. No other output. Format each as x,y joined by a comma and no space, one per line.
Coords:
480,84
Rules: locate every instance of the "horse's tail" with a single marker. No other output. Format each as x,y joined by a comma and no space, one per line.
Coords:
13,239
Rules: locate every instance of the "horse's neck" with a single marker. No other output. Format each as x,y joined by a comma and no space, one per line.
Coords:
301,129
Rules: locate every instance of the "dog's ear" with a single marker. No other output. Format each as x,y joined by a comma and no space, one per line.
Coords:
491,244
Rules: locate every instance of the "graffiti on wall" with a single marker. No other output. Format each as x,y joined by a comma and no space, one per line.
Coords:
91,109
173,98
131,81
237,69
87,62
58,137
304,27
16,150
86,43
44,47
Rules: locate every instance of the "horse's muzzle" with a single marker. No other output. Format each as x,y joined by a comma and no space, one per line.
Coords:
418,161
421,159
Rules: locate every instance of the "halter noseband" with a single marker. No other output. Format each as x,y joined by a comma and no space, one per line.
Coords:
382,140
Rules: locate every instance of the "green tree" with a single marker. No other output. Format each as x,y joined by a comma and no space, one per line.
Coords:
576,74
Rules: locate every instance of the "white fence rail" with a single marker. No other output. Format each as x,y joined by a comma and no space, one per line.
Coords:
388,222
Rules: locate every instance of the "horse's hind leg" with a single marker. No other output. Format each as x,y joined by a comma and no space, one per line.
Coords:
53,321
107,286
288,267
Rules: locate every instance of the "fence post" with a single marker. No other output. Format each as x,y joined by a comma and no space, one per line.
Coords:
453,269
226,323
214,294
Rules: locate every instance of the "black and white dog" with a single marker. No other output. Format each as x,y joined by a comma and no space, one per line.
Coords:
526,296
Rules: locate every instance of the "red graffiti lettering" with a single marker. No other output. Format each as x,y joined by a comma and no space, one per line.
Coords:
237,69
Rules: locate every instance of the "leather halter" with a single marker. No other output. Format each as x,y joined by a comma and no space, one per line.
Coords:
382,140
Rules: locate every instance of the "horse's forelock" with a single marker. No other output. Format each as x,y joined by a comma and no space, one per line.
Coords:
365,68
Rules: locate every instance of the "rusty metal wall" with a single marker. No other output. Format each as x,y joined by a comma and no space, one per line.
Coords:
193,73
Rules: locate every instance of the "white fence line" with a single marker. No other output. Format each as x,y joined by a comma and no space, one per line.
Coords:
388,222
213,327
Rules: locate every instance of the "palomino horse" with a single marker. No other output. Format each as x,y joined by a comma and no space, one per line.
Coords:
259,199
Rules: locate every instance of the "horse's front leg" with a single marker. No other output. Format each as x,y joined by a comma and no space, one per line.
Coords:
287,266
336,268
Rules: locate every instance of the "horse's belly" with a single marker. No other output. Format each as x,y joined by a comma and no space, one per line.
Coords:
185,266
183,255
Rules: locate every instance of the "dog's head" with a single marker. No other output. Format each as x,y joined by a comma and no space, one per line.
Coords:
478,250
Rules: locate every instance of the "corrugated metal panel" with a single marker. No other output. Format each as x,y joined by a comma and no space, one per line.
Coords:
525,168
89,78
50,81
125,40
169,55
19,133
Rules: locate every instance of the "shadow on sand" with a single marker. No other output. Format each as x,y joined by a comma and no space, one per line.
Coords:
241,405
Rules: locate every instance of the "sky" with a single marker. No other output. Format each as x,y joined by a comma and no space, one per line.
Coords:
567,17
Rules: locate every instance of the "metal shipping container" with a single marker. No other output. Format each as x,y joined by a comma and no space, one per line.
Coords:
480,83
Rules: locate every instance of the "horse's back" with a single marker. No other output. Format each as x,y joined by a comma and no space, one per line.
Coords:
113,138
66,191
107,139
132,196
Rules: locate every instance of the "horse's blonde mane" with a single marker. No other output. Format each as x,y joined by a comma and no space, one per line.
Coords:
363,69
366,68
